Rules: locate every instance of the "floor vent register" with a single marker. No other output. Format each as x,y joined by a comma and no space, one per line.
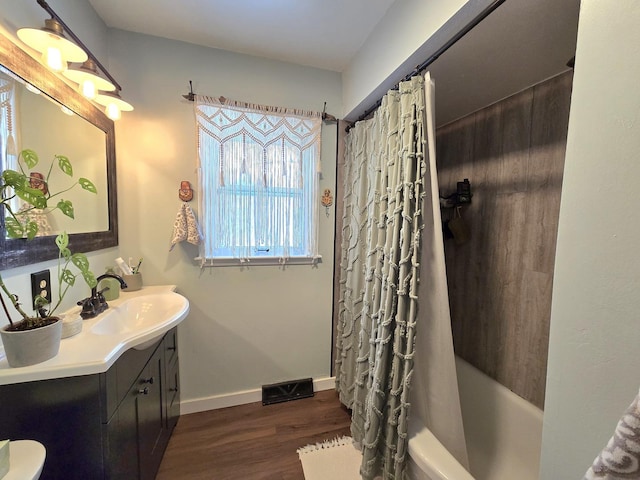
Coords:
286,391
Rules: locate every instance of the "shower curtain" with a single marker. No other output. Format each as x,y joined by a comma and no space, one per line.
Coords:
384,184
391,189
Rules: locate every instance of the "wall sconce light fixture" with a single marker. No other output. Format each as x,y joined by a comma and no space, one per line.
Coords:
57,51
49,40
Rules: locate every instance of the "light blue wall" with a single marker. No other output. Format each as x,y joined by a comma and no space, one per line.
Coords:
247,327
593,373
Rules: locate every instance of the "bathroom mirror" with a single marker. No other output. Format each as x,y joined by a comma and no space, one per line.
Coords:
87,134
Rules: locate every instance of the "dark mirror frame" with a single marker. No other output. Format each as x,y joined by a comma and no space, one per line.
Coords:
19,252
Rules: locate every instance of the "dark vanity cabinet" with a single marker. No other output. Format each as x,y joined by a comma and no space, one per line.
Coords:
113,425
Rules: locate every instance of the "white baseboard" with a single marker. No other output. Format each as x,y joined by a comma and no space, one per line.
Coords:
241,398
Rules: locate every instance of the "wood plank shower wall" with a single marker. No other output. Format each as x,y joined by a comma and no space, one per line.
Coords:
500,279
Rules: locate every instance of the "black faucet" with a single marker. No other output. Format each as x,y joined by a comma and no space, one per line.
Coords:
96,303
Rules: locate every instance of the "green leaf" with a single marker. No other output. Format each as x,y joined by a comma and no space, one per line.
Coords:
30,158
14,179
62,241
80,261
31,230
40,301
66,207
66,253
13,227
32,196
68,277
65,165
87,185
90,278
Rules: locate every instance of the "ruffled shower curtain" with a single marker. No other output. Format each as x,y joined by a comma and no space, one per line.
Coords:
391,191
384,185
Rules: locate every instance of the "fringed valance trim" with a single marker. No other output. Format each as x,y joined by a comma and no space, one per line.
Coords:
267,109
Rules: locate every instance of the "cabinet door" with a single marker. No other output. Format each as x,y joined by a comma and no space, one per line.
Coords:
172,380
173,395
151,419
122,440
64,415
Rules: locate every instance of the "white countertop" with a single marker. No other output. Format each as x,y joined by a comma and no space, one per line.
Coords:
87,353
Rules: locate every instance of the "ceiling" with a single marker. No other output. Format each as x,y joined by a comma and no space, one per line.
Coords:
520,44
317,33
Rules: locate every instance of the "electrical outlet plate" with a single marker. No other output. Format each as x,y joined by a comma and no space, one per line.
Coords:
41,285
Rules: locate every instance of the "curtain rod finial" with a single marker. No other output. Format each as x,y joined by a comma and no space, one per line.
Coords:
325,116
190,96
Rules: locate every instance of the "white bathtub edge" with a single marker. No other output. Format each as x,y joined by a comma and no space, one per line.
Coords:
431,456
513,399
503,431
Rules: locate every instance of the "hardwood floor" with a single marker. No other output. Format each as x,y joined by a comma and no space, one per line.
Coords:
252,442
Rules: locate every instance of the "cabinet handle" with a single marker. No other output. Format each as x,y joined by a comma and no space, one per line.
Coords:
144,391
149,381
173,389
171,349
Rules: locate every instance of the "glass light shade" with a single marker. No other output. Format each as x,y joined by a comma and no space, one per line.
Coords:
113,97
32,89
114,104
51,36
86,75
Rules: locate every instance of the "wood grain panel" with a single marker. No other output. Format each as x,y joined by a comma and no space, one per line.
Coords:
516,137
500,279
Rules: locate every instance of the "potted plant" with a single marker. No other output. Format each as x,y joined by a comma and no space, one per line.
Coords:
36,338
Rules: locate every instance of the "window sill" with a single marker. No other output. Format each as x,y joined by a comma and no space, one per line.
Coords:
255,262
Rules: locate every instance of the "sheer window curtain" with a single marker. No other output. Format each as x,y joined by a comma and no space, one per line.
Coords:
259,169
384,189
9,132
8,123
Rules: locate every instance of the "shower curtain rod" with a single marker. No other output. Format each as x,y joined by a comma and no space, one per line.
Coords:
423,66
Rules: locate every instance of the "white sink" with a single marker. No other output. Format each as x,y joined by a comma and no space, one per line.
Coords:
140,314
137,320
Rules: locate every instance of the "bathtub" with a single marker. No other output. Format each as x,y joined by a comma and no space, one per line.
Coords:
503,435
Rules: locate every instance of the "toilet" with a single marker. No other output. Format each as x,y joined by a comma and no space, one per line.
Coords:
26,458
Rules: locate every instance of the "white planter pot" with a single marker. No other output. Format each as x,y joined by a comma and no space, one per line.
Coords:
28,347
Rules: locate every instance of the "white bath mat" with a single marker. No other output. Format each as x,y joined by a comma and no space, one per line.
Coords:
335,459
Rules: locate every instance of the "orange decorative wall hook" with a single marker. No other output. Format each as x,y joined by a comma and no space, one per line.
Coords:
185,193
327,200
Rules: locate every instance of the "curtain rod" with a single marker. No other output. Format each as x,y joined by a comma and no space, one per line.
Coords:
420,68
191,96
75,38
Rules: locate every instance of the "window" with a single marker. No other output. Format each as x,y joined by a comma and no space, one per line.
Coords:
259,182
